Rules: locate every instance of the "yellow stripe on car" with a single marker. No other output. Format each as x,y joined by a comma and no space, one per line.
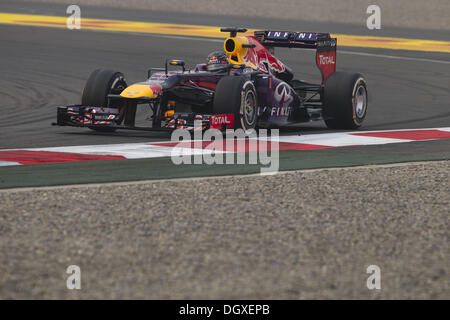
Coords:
138,91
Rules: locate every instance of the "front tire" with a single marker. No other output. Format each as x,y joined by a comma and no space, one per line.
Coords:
236,95
345,100
100,83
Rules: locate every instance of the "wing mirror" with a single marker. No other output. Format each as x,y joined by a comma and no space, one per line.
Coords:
175,62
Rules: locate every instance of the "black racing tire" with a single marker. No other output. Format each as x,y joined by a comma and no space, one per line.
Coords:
236,95
345,100
100,83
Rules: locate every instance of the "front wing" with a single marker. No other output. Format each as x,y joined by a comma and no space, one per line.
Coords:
97,117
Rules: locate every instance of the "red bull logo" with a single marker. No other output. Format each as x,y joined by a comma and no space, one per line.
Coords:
156,89
259,57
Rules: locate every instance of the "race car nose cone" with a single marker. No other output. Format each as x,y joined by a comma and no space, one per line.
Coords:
141,91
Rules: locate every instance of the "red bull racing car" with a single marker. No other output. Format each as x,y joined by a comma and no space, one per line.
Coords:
243,87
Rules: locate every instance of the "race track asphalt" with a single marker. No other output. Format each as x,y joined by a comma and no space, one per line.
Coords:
44,67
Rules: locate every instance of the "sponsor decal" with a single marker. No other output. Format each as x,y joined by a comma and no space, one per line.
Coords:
302,36
283,94
217,121
280,111
258,57
324,60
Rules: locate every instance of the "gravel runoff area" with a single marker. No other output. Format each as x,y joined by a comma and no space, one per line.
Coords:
418,14
295,235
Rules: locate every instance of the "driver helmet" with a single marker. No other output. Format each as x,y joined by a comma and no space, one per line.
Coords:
215,58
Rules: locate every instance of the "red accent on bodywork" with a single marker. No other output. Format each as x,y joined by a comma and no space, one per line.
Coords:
259,54
156,89
216,121
408,134
326,62
32,157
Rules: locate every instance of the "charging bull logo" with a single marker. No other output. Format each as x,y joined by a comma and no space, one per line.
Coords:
258,57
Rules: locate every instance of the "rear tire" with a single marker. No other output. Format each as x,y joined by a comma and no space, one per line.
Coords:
100,83
236,95
345,100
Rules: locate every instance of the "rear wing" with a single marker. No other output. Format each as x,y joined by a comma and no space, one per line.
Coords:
323,43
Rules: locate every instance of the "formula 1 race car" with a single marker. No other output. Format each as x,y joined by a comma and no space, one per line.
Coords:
251,89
